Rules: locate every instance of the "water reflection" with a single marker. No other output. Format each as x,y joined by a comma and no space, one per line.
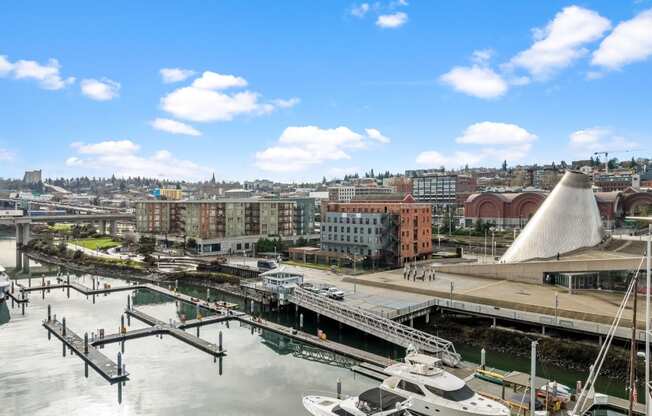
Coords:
167,377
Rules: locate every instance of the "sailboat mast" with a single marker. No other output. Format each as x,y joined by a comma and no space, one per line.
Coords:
632,353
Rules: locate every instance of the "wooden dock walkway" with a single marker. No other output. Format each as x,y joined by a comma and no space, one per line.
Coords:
313,340
88,353
178,333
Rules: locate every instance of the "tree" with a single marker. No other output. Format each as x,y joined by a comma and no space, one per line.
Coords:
612,163
191,243
146,245
504,166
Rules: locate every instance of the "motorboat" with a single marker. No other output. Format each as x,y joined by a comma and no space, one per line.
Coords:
434,391
4,283
373,402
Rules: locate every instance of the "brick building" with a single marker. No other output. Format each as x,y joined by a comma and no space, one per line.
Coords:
513,210
387,231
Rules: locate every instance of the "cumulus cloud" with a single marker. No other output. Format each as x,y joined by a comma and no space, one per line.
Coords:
598,139
300,147
376,135
477,81
174,127
100,90
171,75
213,81
122,158
206,100
48,75
360,10
198,104
492,141
392,21
630,41
490,133
561,42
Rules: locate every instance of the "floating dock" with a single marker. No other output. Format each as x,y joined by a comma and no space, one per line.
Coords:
108,369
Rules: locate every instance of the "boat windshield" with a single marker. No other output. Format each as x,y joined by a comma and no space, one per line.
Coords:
458,395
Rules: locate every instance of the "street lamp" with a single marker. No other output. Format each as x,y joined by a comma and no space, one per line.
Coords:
493,243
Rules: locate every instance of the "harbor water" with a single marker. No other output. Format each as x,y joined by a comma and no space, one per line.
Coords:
262,373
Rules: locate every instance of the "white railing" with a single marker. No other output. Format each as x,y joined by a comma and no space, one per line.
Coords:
373,324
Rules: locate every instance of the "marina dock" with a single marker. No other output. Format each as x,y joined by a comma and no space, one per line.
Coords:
111,371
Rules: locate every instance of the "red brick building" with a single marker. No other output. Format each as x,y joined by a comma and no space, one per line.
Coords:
386,229
513,210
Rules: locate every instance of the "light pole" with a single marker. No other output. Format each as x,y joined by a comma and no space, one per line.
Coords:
438,237
485,246
493,244
557,308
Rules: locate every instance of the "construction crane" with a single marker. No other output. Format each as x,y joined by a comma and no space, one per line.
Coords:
606,158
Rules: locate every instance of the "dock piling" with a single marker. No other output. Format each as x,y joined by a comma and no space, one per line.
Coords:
197,331
220,340
300,321
482,358
49,313
63,322
86,344
128,302
339,388
119,363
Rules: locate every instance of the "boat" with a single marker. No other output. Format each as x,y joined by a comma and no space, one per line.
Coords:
434,391
4,283
373,402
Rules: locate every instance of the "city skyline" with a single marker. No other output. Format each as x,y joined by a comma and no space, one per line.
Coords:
304,92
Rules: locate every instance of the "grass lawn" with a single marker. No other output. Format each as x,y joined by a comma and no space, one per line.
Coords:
60,228
95,243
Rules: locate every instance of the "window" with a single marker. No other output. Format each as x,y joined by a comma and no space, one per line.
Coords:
412,388
459,395
375,221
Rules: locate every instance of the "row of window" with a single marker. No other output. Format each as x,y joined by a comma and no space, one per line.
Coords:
332,228
356,239
349,220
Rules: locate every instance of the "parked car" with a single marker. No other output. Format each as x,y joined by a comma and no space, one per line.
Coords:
335,293
266,265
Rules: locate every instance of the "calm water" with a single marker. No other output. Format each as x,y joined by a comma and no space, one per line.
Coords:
260,374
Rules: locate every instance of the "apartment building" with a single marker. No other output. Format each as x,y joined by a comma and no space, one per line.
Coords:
348,193
218,226
443,191
391,231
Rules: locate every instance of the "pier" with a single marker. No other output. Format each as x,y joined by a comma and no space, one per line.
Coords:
111,371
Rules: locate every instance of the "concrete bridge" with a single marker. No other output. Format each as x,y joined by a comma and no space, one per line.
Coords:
24,228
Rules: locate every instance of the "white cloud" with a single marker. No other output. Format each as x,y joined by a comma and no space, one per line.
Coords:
491,133
289,103
376,135
392,21
6,155
174,127
482,56
48,76
100,90
204,100
213,81
598,139
170,75
5,66
630,41
477,81
561,42
301,147
493,142
360,10
202,105
121,158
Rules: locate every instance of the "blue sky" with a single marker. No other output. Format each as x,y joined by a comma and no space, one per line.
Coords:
300,90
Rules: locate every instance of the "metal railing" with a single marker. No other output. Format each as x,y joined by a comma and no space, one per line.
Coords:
373,324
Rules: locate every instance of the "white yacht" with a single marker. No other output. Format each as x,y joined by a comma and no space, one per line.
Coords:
4,283
434,391
374,402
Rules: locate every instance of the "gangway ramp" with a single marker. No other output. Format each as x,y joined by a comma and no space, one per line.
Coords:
373,324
